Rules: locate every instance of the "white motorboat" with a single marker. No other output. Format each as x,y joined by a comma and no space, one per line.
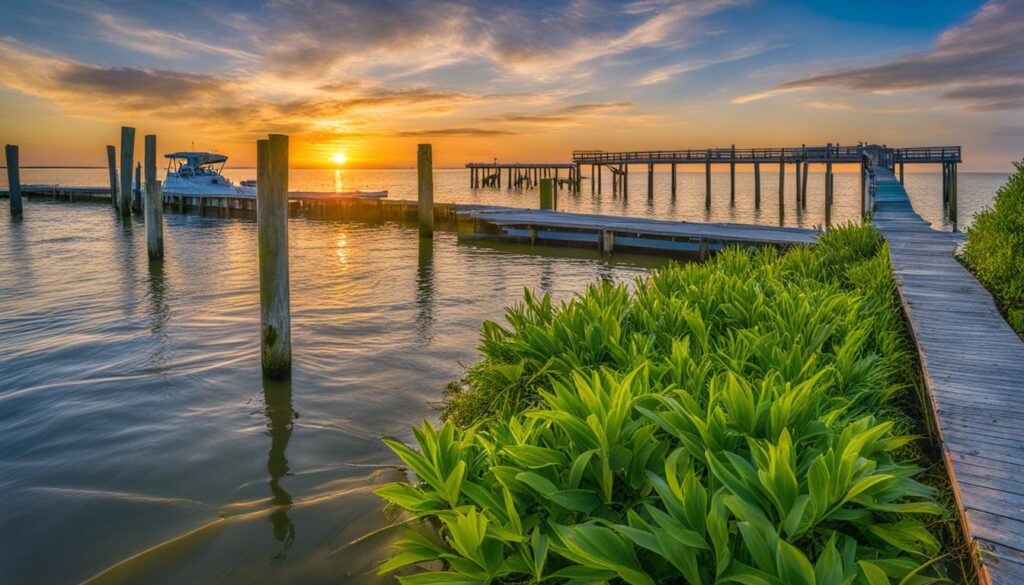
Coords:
198,174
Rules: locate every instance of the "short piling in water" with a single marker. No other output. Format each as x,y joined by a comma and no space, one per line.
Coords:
425,189
732,177
803,194
127,158
953,216
673,181
112,170
13,179
782,188
547,194
707,182
153,207
272,228
828,194
137,191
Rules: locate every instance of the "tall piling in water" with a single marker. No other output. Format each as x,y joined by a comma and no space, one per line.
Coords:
272,228
152,205
13,179
112,171
425,189
757,185
127,158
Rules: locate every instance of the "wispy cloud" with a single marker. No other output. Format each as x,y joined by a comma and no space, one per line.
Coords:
663,74
980,63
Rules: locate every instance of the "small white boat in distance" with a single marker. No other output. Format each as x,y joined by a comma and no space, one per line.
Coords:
198,174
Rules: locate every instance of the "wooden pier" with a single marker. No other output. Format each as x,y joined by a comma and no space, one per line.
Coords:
973,366
520,175
608,232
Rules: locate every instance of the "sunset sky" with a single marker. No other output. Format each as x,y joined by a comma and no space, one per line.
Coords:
516,81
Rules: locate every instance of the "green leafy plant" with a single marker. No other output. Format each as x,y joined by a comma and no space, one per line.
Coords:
995,248
731,422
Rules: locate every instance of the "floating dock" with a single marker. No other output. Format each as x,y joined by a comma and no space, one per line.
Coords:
973,366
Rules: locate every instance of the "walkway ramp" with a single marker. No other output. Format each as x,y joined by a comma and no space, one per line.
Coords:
973,365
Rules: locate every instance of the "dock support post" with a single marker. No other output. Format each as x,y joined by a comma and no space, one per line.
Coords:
796,183
707,182
650,181
592,169
600,172
625,181
607,241
732,176
828,195
863,194
153,208
757,185
953,216
547,194
702,247
425,188
112,169
272,227
13,180
782,188
803,195
137,190
127,157
901,173
673,181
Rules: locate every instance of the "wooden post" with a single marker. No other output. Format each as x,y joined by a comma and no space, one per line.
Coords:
901,173
707,182
953,216
112,169
272,228
863,194
127,158
732,175
14,180
803,195
425,187
673,180
625,181
547,194
828,195
757,185
137,190
796,183
154,209
782,188
607,241
600,172
650,181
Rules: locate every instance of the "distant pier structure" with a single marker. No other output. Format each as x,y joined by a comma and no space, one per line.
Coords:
867,157
521,175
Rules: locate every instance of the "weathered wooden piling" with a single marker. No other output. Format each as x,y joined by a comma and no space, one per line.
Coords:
127,158
828,194
547,194
707,182
650,181
901,173
112,170
782,188
152,205
425,188
137,189
757,185
732,177
272,227
803,195
953,215
796,183
673,180
13,180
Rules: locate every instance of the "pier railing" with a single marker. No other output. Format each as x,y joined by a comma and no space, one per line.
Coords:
832,153
927,154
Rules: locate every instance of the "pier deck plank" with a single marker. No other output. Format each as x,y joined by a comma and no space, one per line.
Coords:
973,365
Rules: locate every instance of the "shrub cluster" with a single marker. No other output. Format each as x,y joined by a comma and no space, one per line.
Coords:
731,422
995,248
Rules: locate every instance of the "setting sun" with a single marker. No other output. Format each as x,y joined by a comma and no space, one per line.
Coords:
339,158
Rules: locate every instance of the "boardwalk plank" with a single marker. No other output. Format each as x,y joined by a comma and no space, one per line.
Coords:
974,375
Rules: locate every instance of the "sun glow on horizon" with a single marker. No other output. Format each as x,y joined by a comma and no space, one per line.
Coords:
339,158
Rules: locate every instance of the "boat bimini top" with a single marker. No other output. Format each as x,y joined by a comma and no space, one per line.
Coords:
186,164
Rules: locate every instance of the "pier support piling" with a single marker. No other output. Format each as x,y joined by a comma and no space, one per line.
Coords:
757,185
13,180
732,177
707,182
673,181
803,194
782,189
272,227
547,194
112,170
127,158
650,181
828,195
152,205
953,215
425,189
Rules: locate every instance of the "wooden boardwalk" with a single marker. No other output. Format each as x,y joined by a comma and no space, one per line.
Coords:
608,231
973,367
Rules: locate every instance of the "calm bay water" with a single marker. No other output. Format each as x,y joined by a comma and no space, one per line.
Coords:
138,435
